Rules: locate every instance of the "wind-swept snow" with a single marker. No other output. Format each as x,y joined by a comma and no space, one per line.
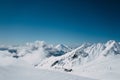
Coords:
41,61
25,72
102,68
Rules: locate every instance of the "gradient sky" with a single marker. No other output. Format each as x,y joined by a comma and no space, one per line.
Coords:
59,21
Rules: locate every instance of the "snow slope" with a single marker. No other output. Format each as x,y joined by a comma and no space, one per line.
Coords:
102,68
35,61
99,61
82,55
34,53
25,72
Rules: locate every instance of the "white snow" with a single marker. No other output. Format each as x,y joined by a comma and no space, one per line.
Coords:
42,61
102,68
25,72
62,47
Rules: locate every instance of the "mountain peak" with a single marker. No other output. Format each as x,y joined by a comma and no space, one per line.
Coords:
62,47
110,42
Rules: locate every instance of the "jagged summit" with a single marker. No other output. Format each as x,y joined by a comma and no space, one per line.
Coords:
84,54
88,58
62,47
110,42
41,53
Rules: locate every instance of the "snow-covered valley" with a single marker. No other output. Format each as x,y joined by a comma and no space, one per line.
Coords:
42,61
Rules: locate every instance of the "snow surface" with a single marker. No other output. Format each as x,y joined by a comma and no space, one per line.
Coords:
102,68
23,71
62,47
42,61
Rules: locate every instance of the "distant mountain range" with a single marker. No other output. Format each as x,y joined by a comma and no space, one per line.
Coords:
44,55
95,60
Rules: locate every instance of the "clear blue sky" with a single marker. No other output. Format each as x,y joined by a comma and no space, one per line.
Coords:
59,21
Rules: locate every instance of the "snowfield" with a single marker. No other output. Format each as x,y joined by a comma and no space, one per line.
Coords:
101,69
25,72
42,61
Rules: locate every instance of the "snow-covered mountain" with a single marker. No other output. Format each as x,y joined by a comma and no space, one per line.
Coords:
85,60
82,55
63,48
35,52
43,54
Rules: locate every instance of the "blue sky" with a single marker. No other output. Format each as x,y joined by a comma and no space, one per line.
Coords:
59,21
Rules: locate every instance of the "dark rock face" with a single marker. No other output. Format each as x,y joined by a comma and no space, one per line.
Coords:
12,51
74,56
15,56
68,70
3,49
79,53
55,63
